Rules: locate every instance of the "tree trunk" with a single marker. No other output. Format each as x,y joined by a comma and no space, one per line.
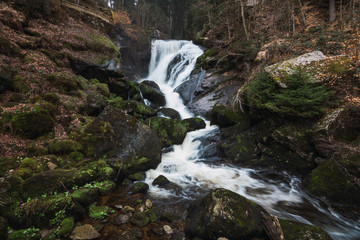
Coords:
332,11
243,19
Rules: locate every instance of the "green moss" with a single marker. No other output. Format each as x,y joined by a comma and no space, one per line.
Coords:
76,156
65,82
151,214
26,234
140,219
19,84
24,172
50,97
64,146
99,212
66,227
299,231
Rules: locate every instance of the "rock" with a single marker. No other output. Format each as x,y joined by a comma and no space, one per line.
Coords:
139,176
117,135
139,187
140,219
127,209
158,231
148,204
27,123
121,219
195,123
335,179
225,117
288,65
169,112
51,165
261,56
66,227
151,214
135,231
171,131
155,96
168,230
161,181
223,213
95,103
85,196
300,231
99,212
64,146
151,84
84,232
188,88
335,130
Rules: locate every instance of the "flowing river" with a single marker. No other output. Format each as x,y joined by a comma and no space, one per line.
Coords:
280,193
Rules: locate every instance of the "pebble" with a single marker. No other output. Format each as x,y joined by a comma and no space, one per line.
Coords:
148,204
168,230
127,209
122,219
84,232
118,206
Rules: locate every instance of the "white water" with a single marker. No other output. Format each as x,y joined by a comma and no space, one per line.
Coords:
184,167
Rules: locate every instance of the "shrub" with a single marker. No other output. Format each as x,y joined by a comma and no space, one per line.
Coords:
302,97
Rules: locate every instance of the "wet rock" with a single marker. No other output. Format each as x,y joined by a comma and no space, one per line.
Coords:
161,181
195,123
85,196
155,96
84,232
223,213
171,131
335,179
127,209
169,112
225,117
117,135
158,231
168,230
300,231
151,84
148,203
151,214
140,219
121,219
188,88
139,187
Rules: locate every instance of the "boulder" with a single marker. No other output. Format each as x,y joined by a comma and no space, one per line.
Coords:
188,88
195,123
162,182
151,84
224,117
84,232
140,219
139,187
171,131
300,231
155,96
96,103
223,213
117,135
66,227
169,112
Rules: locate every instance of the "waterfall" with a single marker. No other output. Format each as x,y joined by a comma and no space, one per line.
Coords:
171,64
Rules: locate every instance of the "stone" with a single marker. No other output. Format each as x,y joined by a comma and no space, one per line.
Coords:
155,96
84,232
51,165
148,204
139,187
222,116
121,219
158,231
223,213
168,230
169,112
64,146
140,219
66,227
99,212
96,103
151,84
299,231
127,209
195,123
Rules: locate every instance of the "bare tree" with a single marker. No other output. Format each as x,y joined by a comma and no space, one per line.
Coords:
332,11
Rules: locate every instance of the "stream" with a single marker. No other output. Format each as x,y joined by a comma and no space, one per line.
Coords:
280,193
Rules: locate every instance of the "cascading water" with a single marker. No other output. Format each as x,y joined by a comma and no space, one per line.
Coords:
171,64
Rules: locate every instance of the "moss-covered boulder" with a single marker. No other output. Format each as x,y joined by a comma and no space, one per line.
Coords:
66,227
41,210
154,95
66,82
169,112
223,213
171,131
195,123
34,123
85,196
96,103
117,135
64,146
26,234
99,212
336,179
300,231
139,187
140,219
225,117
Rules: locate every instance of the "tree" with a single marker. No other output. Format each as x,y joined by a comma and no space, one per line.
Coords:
332,11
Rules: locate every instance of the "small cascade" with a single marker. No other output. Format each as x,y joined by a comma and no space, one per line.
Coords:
171,65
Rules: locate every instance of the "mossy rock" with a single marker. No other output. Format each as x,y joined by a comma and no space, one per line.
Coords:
26,234
66,227
99,212
300,231
66,82
223,213
50,97
138,176
64,146
333,180
27,124
85,196
151,214
96,103
7,163
39,211
225,117
136,164
133,107
104,188
102,88
171,131
24,172
34,149
139,187
140,219
195,123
